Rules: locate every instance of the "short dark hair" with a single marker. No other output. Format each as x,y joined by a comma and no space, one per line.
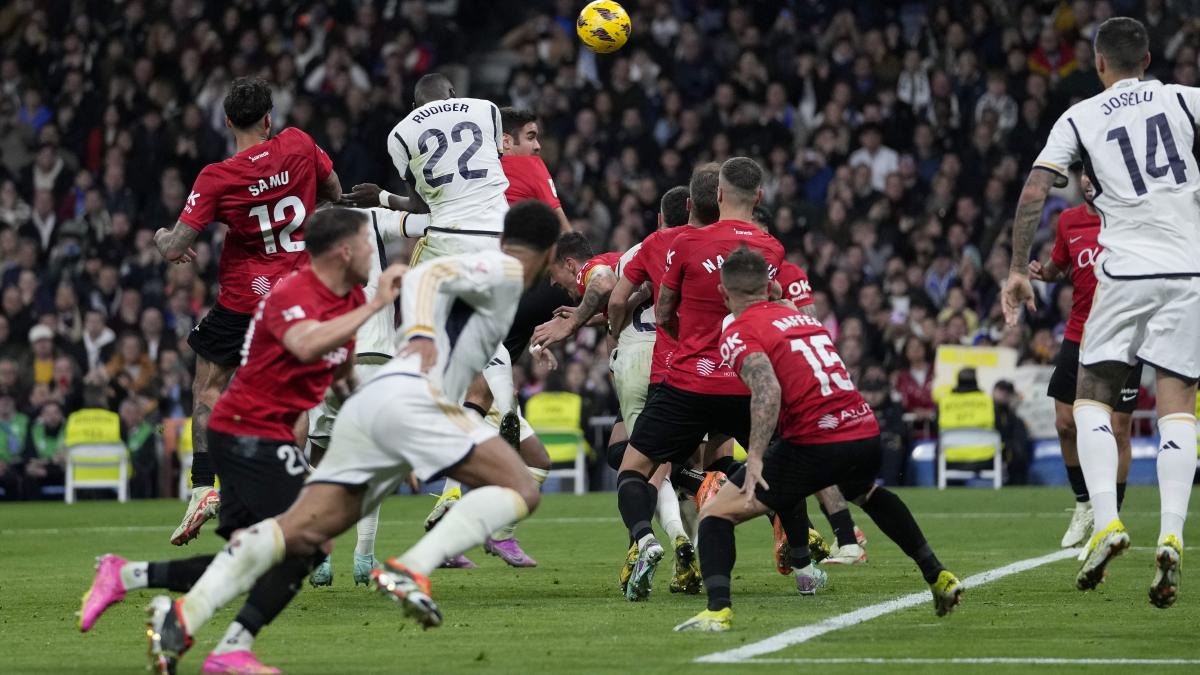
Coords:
248,101
432,87
674,207
744,271
703,191
531,223
743,175
326,228
573,245
515,119
1123,43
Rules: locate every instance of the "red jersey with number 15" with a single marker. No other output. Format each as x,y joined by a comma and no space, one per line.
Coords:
1076,247
528,178
818,402
650,264
263,194
694,271
272,387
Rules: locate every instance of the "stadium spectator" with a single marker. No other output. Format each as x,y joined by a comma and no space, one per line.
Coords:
45,450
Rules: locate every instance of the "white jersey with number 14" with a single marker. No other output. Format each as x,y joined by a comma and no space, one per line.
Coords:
1135,141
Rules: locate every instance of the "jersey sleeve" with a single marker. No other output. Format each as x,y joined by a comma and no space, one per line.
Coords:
737,342
1189,98
795,284
322,160
284,308
543,184
200,208
676,262
461,275
389,224
398,151
498,127
1060,255
1061,149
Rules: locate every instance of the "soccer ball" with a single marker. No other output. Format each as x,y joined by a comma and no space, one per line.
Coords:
603,26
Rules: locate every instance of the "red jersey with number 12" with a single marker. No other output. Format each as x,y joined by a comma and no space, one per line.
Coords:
1076,247
650,264
818,402
694,271
272,387
263,194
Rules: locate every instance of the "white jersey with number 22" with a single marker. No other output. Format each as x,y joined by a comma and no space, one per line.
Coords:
1135,142
450,151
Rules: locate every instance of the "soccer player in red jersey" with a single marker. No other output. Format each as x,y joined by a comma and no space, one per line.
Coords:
700,394
300,340
263,193
827,436
1075,250
588,278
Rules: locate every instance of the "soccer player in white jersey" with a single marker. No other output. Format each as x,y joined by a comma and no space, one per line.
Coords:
457,310
374,345
1135,140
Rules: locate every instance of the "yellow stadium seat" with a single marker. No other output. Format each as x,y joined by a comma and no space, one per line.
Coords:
96,455
967,434
555,418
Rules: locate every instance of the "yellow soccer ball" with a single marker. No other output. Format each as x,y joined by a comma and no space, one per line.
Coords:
603,26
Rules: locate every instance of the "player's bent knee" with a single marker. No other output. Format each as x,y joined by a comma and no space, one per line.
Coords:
534,454
616,453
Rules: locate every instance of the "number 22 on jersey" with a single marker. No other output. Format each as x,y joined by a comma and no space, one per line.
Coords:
268,216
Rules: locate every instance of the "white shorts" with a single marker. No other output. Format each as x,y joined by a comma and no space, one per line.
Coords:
1155,320
395,425
442,244
631,376
320,418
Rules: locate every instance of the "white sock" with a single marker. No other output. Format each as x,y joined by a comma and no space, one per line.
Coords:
690,517
506,532
367,525
667,511
1098,458
135,575
250,553
1176,470
237,639
480,512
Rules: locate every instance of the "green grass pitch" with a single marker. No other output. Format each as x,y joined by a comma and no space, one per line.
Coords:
566,615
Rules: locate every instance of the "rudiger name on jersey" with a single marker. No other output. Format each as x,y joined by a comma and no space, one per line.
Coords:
433,109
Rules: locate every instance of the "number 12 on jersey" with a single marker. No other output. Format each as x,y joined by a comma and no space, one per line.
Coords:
278,214
828,368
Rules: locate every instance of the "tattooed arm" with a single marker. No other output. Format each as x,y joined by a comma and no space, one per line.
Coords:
664,310
1018,290
759,376
175,244
599,287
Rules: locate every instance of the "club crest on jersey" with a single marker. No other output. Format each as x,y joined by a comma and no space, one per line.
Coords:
706,367
278,180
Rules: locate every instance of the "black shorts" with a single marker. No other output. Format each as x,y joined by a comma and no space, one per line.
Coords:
796,471
260,478
219,336
1066,375
674,422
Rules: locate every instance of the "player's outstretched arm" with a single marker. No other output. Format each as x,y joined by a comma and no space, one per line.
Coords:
759,376
175,244
1047,271
309,341
595,297
1018,291
665,310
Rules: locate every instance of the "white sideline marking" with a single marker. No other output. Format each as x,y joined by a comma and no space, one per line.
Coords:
998,660
798,635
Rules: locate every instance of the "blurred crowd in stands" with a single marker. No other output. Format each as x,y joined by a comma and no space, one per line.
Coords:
895,136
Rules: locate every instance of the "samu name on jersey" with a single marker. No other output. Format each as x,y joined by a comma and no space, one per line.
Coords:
449,150
1135,142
